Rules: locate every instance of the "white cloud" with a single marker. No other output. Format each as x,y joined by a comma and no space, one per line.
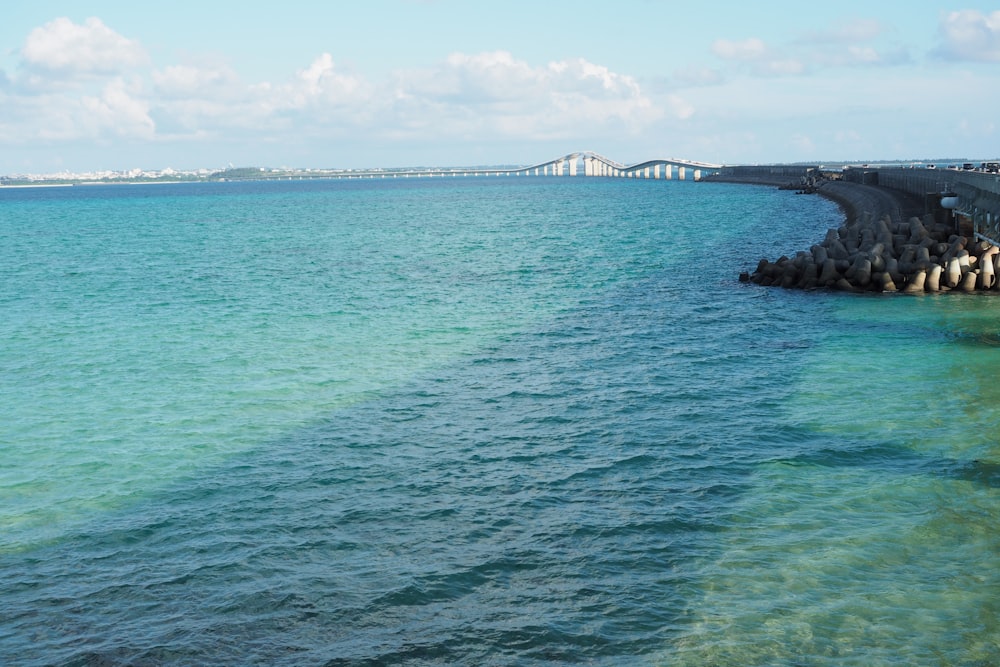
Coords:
76,82
849,32
751,49
758,57
855,55
482,95
195,99
863,54
322,85
62,46
856,43
698,76
119,111
592,80
971,35
87,83
188,81
490,76
782,67
849,44
494,93
199,100
116,110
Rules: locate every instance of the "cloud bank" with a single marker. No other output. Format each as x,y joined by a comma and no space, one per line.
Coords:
63,46
971,35
88,87
85,81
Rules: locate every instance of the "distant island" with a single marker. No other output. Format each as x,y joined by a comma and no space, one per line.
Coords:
228,174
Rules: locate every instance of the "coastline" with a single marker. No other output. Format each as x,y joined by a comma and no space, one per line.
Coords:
855,199
858,200
889,242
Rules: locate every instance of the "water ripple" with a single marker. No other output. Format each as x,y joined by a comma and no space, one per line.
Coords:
479,423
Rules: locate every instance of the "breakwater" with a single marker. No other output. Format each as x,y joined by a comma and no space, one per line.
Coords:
878,255
892,240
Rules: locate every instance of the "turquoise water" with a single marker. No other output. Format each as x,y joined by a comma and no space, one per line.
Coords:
480,421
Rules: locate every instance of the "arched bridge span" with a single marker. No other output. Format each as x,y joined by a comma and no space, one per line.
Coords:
588,163
581,163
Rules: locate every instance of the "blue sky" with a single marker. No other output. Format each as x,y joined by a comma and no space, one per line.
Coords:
394,83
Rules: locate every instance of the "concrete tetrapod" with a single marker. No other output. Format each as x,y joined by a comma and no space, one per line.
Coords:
876,255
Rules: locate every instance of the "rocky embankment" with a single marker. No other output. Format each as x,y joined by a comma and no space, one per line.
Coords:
885,245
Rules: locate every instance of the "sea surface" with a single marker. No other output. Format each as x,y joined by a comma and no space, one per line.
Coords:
480,421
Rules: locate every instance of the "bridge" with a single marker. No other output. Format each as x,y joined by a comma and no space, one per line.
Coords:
976,196
588,163
582,163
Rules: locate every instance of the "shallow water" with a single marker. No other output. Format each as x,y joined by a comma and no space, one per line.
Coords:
480,421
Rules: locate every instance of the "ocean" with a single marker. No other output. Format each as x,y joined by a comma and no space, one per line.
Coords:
480,421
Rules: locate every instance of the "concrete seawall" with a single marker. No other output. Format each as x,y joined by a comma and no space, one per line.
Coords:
859,200
892,241
856,199
976,193
778,175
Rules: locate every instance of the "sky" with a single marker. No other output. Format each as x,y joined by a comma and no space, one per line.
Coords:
115,85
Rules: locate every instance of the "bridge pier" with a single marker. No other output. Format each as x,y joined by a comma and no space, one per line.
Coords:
592,164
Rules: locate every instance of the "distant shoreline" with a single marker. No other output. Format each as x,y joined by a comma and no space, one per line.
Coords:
36,185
